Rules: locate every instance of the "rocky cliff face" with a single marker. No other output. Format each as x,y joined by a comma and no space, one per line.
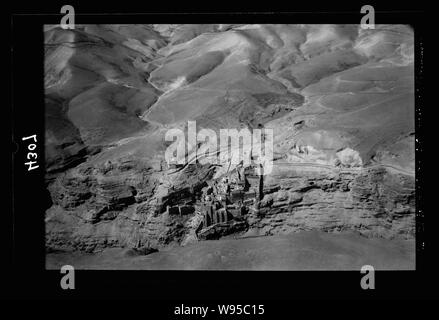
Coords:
339,99
94,211
372,202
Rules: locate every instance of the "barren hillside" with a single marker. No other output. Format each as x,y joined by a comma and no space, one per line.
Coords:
340,101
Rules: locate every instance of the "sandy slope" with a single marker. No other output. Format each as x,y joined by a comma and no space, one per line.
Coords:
301,251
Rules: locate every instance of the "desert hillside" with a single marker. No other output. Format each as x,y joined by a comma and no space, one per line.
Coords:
339,99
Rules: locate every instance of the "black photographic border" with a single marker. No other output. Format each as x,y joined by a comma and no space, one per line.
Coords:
27,276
